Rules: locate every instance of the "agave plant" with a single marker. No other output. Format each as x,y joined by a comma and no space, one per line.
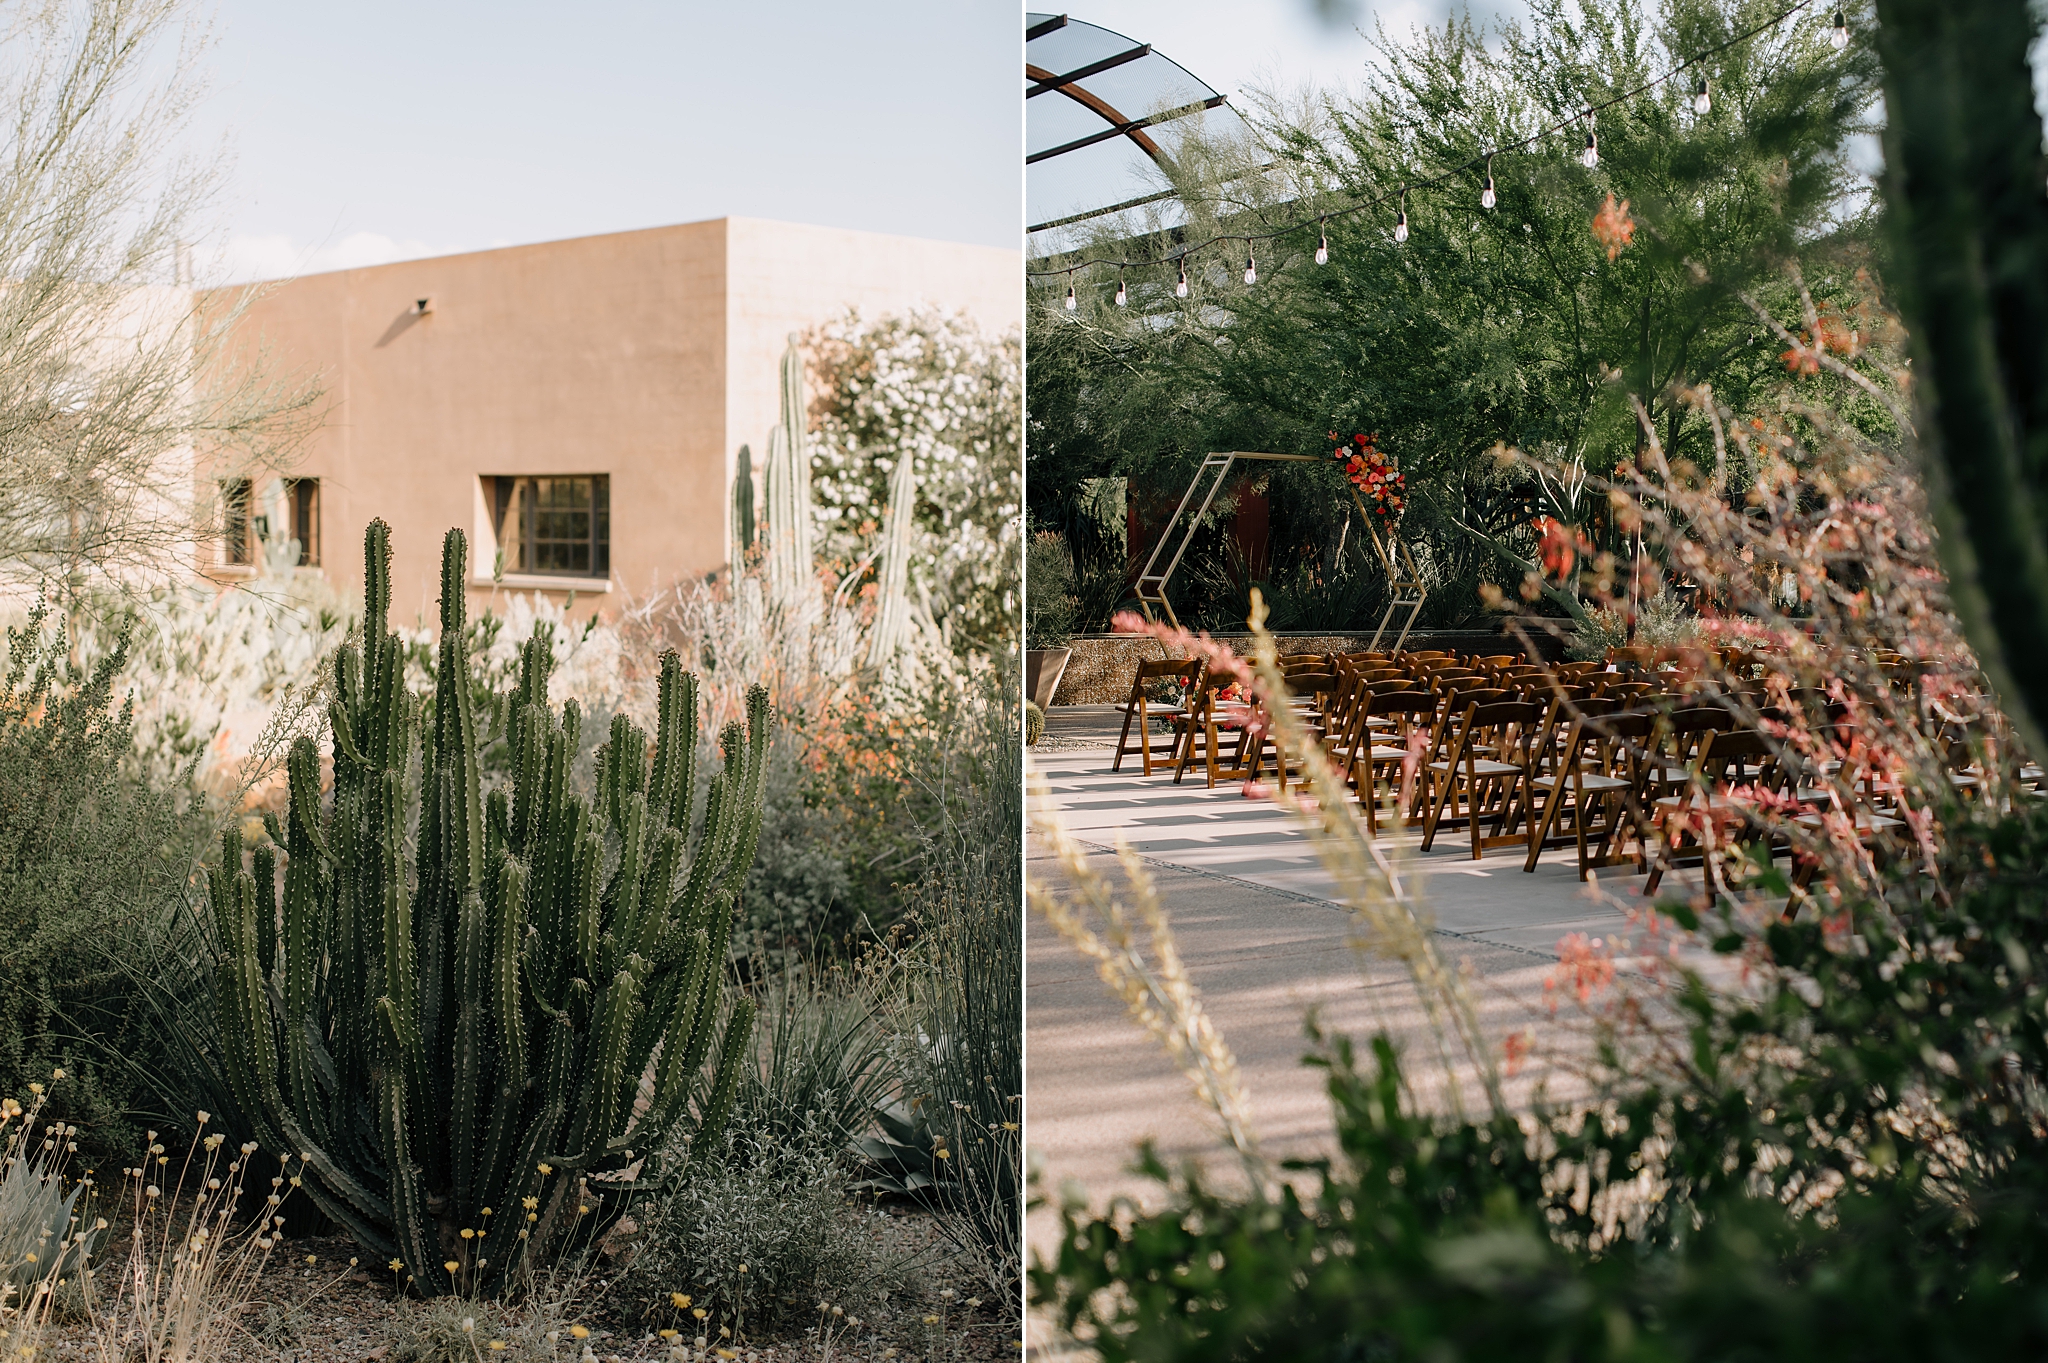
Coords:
472,1043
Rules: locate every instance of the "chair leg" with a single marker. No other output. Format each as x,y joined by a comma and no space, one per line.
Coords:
1473,786
1121,738
1539,827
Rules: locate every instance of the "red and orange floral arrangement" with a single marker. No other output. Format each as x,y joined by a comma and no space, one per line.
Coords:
1382,487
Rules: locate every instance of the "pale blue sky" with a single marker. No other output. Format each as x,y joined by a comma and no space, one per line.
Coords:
376,130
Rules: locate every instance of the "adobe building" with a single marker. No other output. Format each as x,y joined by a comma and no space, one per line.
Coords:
577,406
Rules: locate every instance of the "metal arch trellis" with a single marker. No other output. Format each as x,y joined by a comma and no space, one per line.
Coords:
1404,576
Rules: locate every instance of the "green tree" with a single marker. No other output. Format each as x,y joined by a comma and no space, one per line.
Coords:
1512,325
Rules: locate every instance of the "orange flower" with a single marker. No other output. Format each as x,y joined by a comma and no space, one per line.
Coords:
1613,227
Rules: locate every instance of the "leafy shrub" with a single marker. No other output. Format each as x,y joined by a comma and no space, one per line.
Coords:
88,851
802,888
1847,1160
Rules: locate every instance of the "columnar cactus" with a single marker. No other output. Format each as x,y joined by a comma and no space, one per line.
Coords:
460,1041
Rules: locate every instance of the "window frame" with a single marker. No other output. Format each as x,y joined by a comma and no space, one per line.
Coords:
302,516
237,522
523,510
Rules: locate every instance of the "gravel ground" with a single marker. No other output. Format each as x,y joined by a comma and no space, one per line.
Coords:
311,1306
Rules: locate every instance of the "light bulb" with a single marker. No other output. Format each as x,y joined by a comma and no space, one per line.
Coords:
1180,288
1323,246
1401,225
1251,269
1590,157
1122,298
1702,101
1487,198
1072,302
1839,34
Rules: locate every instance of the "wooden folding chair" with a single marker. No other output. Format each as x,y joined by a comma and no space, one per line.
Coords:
1726,758
1141,709
1208,715
1409,710
1471,788
1589,788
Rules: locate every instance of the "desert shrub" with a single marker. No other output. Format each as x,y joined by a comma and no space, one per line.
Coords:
1661,622
820,1063
463,1330
962,1053
88,849
757,1234
803,885
1050,607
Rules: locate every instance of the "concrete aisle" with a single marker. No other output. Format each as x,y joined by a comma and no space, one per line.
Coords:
1263,941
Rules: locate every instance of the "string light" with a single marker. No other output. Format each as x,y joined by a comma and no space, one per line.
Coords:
1839,34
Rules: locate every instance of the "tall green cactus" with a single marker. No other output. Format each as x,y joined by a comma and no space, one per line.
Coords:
461,1040
1968,216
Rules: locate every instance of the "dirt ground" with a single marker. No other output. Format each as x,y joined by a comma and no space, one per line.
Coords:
312,1305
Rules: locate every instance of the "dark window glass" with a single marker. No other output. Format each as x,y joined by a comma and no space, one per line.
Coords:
555,526
302,498
236,532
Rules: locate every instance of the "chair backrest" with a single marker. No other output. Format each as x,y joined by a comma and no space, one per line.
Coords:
1166,667
1311,683
1511,725
1303,662
1402,703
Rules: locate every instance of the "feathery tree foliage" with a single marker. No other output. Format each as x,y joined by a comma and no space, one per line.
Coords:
1513,325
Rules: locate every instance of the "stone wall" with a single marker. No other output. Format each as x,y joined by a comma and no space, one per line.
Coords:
1100,671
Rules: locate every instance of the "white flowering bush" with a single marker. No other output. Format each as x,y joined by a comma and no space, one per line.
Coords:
937,390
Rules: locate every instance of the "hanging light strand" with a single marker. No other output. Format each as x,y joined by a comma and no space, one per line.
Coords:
1837,35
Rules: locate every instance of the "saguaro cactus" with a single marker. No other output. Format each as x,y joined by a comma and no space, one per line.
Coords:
459,1042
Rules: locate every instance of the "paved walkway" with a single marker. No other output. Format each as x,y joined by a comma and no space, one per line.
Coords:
1264,942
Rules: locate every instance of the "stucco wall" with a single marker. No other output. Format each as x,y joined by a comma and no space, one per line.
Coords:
649,356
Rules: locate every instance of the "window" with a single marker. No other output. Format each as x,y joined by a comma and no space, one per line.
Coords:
302,508
237,533
554,526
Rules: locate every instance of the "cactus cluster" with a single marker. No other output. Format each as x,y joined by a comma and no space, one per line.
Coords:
461,1040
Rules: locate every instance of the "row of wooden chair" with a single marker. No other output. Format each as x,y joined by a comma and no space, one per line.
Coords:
1511,753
